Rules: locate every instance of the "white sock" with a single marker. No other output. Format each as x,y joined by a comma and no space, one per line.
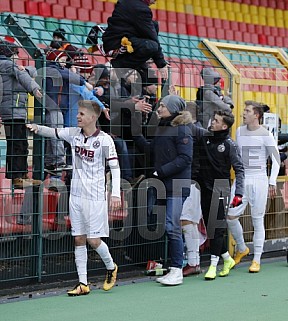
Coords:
81,263
258,237
192,241
214,260
105,255
237,232
226,256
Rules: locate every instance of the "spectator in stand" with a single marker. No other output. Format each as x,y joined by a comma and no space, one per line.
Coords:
102,92
59,42
15,84
58,79
256,144
132,40
172,154
210,98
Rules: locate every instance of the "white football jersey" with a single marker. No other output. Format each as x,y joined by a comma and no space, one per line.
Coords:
90,155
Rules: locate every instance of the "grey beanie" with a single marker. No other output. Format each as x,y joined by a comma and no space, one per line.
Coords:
174,103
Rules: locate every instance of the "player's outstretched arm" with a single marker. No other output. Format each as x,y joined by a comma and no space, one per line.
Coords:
42,130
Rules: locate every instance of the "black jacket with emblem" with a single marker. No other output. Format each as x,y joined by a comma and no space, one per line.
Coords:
217,154
172,149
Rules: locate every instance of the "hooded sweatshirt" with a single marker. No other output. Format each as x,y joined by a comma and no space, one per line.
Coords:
211,101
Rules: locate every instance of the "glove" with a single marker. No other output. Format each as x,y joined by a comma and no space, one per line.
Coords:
237,200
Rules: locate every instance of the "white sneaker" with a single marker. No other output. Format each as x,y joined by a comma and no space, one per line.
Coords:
174,277
161,278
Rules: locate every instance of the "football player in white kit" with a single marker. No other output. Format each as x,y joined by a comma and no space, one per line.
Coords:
255,143
88,207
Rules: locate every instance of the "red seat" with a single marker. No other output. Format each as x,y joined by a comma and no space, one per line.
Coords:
279,41
220,33
181,28
17,6
200,21
208,22
192,30
5,6
259,29
267,30
282,32
161,15
58,11
281,4
251,28
181,17
44,9
234,25
242,27
83,14
226,24
75,3
229,34
70,13
98,6
190,18
246,37
202,31
274,31
218,23
87,4
171,16
163,26
271,41
262,39
238,36
254,38
172,27
109,6
211,32
105,16
31,8
53,2
95,16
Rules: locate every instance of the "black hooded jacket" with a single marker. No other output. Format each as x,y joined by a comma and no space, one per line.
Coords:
217,154
131,18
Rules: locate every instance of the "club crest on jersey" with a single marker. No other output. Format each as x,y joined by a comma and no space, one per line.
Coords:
221,148
96,144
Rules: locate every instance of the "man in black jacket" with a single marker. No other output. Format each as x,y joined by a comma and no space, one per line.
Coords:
132,36
218,153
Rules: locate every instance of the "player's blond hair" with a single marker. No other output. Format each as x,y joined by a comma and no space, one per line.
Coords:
90,105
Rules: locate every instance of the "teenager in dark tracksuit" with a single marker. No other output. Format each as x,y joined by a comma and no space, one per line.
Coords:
218,152
172,154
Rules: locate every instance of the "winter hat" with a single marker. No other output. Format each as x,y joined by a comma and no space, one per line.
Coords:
55,55
101,71
83,63
8,48
174,103
210,76
60,32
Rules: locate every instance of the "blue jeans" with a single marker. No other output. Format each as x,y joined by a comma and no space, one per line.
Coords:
124,157
173,229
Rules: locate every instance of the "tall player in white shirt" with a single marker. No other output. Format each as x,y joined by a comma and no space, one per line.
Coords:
255,143
91,148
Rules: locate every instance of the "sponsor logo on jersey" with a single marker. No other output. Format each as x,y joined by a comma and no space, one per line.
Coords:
84,153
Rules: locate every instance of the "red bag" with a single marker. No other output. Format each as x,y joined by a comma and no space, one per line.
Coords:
122,213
